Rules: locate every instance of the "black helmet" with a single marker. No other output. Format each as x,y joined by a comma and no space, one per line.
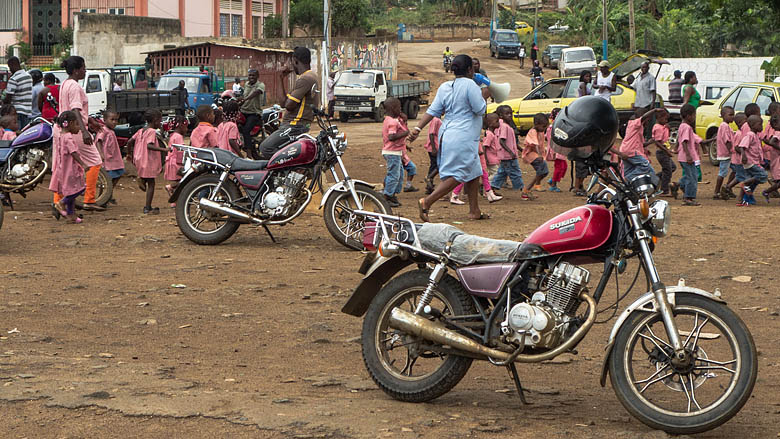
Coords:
588,125
36,75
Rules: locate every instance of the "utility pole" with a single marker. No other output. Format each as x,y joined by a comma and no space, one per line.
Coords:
631,26
604,30
285,18
536,19
325,52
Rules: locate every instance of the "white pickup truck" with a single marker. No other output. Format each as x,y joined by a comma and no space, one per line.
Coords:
362,92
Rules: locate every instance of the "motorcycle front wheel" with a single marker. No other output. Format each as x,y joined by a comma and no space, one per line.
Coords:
692,398
343,224
200,226
401,365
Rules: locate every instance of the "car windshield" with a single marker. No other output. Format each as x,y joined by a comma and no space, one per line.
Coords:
506,37
171,82
579,56
556,50
356,79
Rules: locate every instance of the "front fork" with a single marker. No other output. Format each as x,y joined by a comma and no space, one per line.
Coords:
658,287
347,182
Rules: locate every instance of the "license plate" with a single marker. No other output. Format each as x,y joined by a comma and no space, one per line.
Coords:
353,108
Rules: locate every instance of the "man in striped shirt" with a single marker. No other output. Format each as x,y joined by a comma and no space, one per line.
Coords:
19,91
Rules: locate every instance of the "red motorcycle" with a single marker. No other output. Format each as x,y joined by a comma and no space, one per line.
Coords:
220,191
678,358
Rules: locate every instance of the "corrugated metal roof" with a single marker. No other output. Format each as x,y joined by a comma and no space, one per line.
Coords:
213,43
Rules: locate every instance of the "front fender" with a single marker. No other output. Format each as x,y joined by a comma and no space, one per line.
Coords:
341,187
646,303
377,272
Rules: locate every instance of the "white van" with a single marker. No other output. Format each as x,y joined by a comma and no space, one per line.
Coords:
575,60
96,83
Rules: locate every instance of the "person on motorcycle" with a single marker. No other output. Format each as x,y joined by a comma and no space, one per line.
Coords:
252,109
536,74
447,52
299,106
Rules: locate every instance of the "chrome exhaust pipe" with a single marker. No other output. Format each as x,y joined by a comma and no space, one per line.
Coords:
436,332
215,207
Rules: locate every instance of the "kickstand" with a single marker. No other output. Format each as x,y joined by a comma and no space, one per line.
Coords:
516,379
5,198
269,233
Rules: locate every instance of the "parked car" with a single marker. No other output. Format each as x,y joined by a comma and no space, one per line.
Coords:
708,116
552,54
504,42
523,28
574,60
557,28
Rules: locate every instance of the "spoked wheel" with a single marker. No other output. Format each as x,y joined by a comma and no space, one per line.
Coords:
406,367
201,226
341,221
104,190
692,395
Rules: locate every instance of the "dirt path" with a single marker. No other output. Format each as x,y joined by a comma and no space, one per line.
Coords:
122,327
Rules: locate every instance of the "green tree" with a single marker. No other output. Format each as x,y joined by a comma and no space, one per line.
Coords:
350,16
307,15
272,26
506,19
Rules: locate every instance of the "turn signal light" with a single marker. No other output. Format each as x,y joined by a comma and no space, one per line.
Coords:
644,208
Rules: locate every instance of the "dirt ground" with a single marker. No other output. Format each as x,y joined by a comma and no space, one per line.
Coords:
121,327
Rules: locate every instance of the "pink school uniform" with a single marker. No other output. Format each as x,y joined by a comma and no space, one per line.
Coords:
724,136
147,162
8,135
533,147
506,133
661,133
68,177
112,156
392,126
685,132
491,145
433,130
774,159
225,132
204,136
753,150
549,154
633,142
174,159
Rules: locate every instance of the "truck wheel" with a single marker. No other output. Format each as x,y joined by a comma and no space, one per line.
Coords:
343,117
379,113
412,108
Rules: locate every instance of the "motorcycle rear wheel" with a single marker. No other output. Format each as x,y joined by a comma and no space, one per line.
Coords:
682,402
338,210
383,346
104,190
190,217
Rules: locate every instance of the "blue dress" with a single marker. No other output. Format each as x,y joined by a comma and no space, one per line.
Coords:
461,102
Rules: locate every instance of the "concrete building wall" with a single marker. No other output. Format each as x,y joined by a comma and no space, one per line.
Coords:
198,18
164,8
712,70
448,32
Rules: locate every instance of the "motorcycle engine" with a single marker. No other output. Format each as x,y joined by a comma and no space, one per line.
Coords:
280,201
543,321
26,166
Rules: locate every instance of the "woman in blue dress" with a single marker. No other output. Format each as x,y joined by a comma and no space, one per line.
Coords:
463,105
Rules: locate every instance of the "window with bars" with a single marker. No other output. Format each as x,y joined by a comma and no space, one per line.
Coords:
256,26
116,11
89,10
11,18
224,25
236,26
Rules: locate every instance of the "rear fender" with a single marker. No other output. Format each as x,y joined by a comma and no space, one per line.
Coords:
186,178
646,303
341,187
377,273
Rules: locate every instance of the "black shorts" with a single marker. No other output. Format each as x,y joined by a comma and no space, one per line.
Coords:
580,169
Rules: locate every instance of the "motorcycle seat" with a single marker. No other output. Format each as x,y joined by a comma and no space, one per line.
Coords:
235,162
465,249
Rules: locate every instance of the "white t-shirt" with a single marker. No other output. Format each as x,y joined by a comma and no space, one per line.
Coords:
117,87
236,87
603,81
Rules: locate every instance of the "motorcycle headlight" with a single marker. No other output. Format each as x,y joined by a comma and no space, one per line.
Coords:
660,218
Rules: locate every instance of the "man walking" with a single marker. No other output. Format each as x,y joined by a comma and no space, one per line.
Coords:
675,88
184,99
252,108
299,106
19,91
645,94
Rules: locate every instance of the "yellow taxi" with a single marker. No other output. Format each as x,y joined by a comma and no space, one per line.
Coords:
708,116
523,28
560,92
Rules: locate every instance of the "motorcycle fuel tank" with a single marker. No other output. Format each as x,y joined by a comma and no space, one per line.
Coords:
35,134
580,229
300,152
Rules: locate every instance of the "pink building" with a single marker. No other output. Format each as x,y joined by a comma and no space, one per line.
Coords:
40,20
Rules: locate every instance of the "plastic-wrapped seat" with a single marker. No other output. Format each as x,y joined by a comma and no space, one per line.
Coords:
465,249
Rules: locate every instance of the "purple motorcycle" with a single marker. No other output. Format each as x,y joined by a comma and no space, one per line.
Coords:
25,160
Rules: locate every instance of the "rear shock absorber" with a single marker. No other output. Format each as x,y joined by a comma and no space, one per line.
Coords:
433,281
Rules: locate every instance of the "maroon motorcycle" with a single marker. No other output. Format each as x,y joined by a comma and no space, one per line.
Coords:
678,358
220,191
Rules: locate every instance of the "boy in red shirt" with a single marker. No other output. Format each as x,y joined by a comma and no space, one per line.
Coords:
632,148
725,147
752,157
394,143
205,135
507,154
533,150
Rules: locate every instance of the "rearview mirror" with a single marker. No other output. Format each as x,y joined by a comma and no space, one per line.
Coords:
592,184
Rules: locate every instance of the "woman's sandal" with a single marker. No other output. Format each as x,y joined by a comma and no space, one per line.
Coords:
423,211
482,216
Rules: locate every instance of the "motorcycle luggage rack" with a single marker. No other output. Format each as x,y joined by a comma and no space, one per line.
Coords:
192,153
396,231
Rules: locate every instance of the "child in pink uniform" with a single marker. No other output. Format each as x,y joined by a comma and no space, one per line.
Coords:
752,157
109,147
9,124
773,154
724,148
507,153
632,149
688,155
663,153
67,177
204,135
491,144
228,137
491,120
559,160
533,151
175,157
432,146
146,156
